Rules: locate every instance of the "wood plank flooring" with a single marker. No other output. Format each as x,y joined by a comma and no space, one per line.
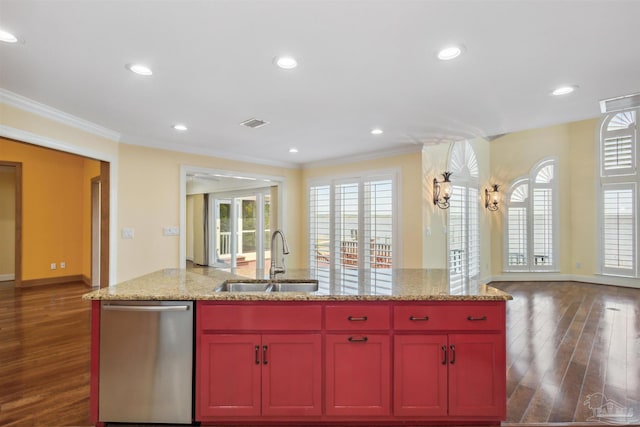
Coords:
44,355
567,343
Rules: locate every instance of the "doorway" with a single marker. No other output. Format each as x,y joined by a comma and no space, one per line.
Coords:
95,232
11,222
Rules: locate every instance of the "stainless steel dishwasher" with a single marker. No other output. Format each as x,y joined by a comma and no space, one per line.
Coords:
146,361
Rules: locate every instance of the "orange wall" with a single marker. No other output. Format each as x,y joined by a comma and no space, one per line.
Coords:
54,214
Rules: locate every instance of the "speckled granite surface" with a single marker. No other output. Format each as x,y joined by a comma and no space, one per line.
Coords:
338,285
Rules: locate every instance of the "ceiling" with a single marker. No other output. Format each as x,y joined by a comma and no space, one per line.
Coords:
362,64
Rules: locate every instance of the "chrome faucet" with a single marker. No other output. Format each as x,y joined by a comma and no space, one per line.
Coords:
274,270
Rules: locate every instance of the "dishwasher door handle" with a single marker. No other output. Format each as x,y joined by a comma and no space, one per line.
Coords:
147,308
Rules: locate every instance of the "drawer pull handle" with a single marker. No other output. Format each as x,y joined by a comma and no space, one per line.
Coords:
444,354
453,353
257,355
362,339
357,319
474,319
418,318
264,354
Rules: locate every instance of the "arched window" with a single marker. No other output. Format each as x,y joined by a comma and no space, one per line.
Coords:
531,240
463,215
618,194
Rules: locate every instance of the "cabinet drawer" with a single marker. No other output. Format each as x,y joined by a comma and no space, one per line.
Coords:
476,317
420,317
260,317
465,317
359,317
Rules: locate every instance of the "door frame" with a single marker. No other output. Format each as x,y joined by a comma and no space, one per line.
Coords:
17,269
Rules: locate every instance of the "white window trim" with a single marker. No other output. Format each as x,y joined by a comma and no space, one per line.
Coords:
555,250
620,177
365,176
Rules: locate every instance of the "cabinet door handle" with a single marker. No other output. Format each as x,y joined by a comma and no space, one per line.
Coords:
475,319
264,354
453,353
444,354
414,318
357,319
257,355
361,339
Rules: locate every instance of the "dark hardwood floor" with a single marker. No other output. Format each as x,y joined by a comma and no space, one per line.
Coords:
572,348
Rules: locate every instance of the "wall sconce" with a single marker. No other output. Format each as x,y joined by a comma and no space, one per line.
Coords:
442,191
492,197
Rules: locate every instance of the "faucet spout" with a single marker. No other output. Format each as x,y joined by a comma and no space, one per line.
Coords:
275,269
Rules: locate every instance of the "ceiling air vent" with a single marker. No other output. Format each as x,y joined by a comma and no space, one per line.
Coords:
620,103
254,123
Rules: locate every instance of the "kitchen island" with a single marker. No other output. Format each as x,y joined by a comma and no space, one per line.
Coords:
384,347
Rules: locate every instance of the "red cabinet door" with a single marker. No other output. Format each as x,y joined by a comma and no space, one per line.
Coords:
228,378
477,375
420,375
358,374
292,374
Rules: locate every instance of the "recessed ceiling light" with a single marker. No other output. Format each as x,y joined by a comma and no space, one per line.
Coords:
180,127
377,131
140,69
293,150
7,37
285,62
449,52
563,90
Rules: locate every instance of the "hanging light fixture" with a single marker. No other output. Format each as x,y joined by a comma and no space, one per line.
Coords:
492,197
442,191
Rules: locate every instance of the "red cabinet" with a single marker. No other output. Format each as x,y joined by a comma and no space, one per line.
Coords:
420,375
251,373
375,362
442,373
477,367
358,376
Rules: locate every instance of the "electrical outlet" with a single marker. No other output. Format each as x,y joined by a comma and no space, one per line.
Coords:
578,264
170,231
53,266
63,264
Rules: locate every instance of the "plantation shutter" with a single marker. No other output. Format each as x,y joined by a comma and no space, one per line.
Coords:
517,255
457,236
542,227
618,229
617,154
378,223
319,227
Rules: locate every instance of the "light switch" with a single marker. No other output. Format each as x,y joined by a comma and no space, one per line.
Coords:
127,233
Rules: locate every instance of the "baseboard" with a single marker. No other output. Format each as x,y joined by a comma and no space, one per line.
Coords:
51,281
86,280
7,277
625,282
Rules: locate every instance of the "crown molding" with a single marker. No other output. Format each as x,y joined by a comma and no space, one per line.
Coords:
398,151
26,104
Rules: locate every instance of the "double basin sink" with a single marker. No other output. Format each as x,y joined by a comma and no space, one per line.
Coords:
286,285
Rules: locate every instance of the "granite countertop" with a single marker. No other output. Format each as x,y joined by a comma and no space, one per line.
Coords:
334,285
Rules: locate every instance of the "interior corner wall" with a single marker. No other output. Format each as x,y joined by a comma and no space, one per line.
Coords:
52,209
573,145
7,222
434,163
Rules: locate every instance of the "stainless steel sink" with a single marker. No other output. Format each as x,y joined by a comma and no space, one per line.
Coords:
249,286
304,285
295,286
